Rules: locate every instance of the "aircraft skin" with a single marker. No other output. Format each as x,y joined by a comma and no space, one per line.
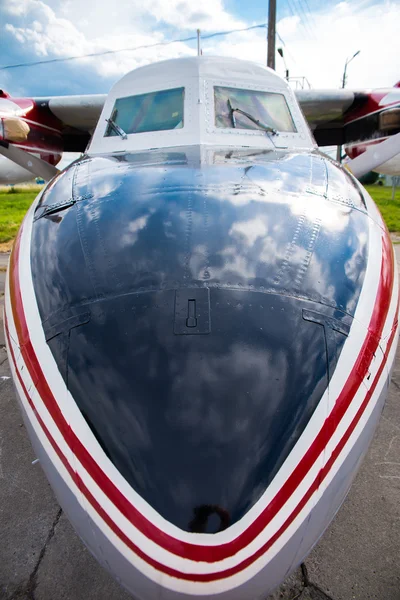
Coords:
201,338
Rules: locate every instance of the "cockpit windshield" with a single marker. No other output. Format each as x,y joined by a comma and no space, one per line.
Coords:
156,111
251,109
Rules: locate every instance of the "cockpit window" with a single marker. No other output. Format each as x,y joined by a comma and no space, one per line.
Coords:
251,109
156,111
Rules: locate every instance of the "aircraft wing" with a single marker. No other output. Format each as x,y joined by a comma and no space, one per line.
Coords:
328,111
78,116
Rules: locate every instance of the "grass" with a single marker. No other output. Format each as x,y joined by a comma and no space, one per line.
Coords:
13,206
390,209
15,201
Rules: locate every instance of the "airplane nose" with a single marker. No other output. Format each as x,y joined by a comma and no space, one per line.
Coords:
198,396
196,315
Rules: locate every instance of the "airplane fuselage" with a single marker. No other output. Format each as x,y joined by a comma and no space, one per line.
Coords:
208,454
201,334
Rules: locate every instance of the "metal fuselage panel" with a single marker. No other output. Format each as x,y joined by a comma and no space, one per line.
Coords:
201,342
213,411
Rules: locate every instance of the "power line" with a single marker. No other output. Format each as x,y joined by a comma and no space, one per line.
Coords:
145,46
299,13
282,41
290,8
295,13
310,13
305,19
287,51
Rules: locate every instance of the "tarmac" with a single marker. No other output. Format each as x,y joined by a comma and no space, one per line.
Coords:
41,557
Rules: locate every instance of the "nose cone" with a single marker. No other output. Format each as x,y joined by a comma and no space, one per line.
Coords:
188,310
197,421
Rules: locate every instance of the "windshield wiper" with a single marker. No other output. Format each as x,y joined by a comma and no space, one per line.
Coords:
232,111
117,129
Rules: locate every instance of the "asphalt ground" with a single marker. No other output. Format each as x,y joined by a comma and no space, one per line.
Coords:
41,557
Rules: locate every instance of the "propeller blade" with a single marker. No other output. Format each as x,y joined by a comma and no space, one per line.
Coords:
374,156
37,166
13,129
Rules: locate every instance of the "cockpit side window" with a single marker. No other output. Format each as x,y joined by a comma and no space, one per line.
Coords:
252,109
156,111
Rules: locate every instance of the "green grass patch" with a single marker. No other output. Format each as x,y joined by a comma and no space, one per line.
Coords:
13,206
390,209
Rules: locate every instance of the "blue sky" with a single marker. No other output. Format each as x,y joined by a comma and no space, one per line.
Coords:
317,37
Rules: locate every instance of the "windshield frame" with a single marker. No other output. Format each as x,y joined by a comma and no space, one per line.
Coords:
245,109
110,132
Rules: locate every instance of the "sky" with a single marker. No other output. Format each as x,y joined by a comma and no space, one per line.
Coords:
316,38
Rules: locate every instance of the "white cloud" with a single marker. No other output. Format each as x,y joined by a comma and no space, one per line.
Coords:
17,7
339,32
49,35
76,28
289,26
209,15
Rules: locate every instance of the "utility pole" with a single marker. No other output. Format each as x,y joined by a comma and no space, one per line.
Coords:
271,33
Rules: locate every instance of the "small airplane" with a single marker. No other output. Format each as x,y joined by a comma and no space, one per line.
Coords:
201,316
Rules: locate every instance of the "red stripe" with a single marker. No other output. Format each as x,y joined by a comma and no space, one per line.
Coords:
193,551
78,481
208,577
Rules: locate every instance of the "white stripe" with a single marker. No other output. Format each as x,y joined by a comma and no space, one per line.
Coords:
196,588
66,403
188,566
24,268
255,545
80,427
35,424
142,541
73,415
150,548
83,431
8,310
379,390
238,579
20,366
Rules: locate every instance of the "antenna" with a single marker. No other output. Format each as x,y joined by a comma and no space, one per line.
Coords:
199,52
